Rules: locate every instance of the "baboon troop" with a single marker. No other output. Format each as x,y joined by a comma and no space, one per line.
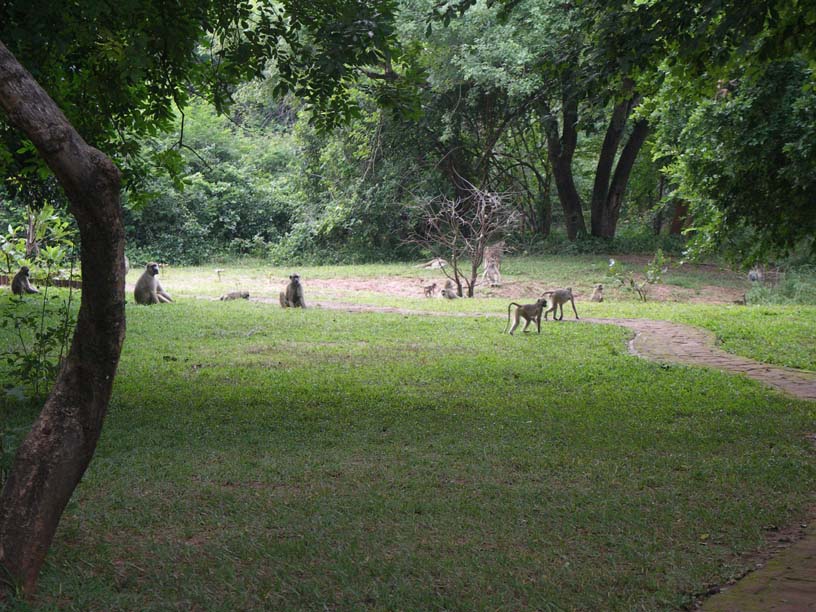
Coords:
21,283
529,312
292,296
597,293
148,289
235,295
559,298
429,290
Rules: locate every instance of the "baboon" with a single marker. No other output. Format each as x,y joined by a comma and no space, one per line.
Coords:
559,298
429,290
235,295
492,274
597,293
755,275
21,283
148,289
292,297
435,264
530,312
449,292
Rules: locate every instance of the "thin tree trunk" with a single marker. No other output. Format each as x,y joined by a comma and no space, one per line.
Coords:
52,459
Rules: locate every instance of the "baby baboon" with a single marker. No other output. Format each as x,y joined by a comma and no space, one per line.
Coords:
559,298
597,293
21,282
148,289
292,297
235,295
429,290
530,312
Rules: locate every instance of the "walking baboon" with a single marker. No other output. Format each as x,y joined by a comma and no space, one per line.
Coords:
21,283
429,290
148,289
597,293
292,297
530,312
235,295
559,298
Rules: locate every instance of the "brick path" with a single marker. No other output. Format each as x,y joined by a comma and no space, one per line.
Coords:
662,341
677,343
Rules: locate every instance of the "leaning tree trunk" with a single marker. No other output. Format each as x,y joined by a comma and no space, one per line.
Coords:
606,211
560,151
51,460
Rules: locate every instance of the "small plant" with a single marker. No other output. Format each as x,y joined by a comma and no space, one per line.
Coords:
653,274
40,326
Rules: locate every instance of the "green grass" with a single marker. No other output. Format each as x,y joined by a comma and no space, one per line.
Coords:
780,335
256,458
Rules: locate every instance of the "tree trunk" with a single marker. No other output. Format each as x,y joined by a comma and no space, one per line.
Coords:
560,151
679,218
606,160
605,217
52,459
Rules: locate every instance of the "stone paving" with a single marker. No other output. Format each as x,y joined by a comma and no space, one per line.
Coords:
677,343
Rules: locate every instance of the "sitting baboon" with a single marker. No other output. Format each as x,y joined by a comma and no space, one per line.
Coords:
530,312
148,289
559,298
21,283
429,290
292,297
449,292
235,295
597,293
492,274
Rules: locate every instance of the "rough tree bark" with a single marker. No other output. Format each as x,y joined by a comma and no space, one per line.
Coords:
607,197
51,460
560,150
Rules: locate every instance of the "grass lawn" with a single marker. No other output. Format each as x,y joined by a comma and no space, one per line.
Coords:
256,458
780,335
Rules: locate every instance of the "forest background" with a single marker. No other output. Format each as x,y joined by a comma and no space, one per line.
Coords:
598,144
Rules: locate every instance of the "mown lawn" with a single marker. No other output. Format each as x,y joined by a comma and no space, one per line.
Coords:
256,458
780,335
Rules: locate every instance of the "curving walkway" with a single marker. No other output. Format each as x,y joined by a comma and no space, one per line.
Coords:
664,341
661,341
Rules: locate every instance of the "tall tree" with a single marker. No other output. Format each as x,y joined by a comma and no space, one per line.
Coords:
544,57
119,68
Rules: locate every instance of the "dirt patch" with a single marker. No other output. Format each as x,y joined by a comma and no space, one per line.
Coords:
411,287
